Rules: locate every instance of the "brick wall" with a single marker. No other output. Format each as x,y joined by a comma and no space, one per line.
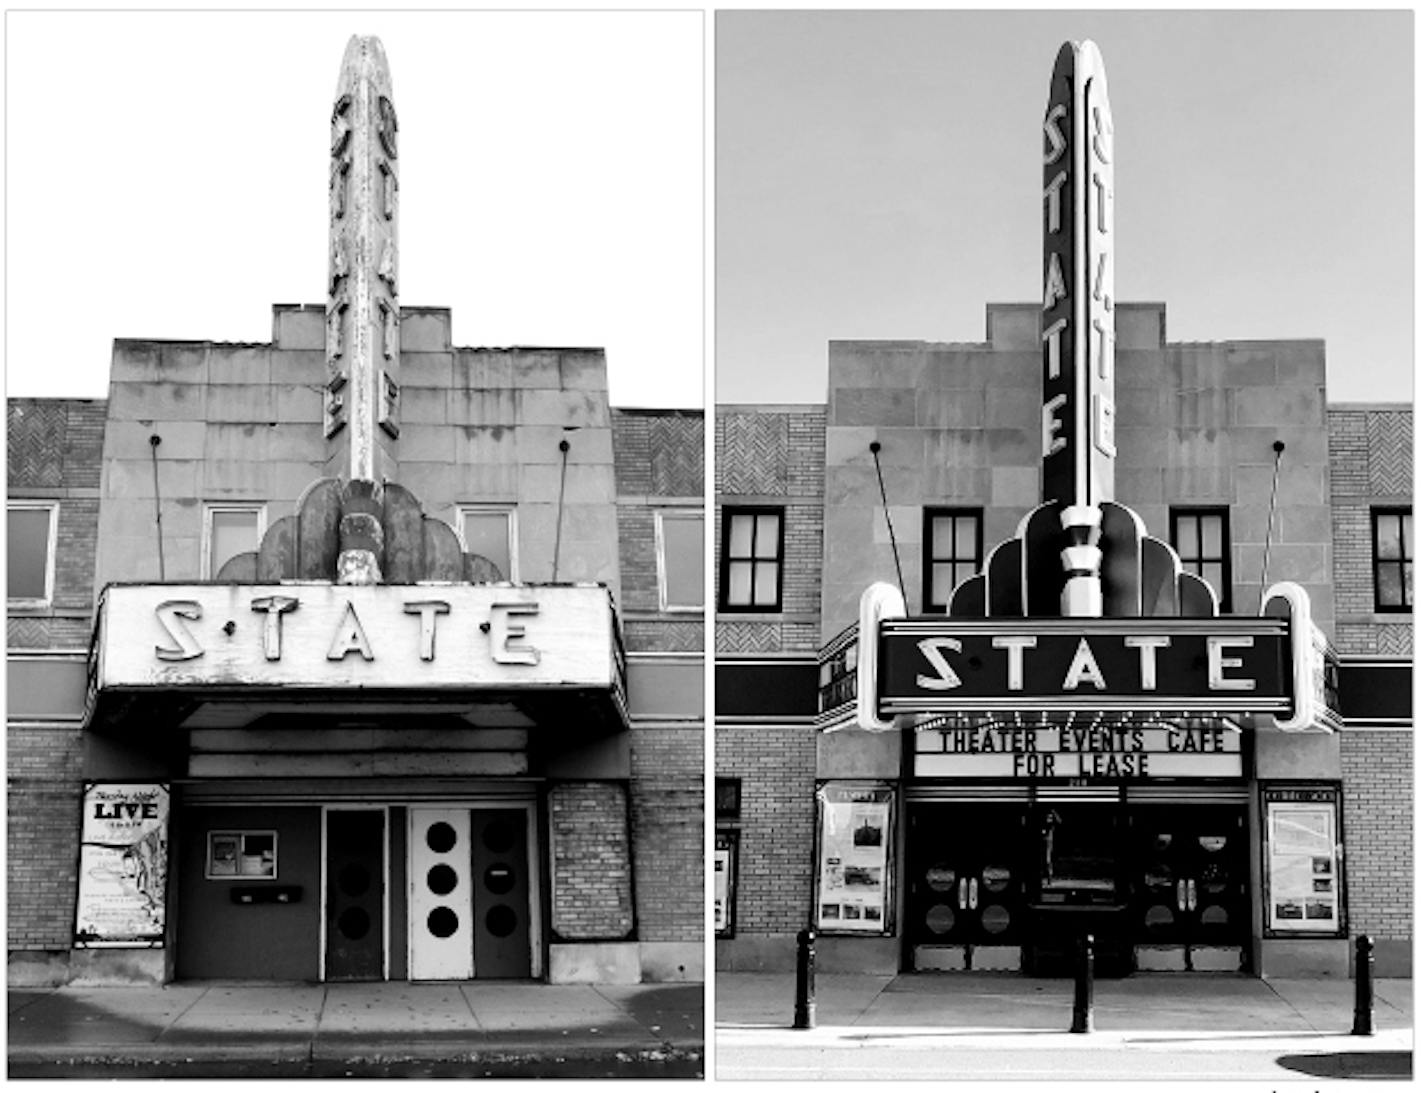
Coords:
1378,770
592,877
43,798
777,767
776,457
667,832
53,453
1371,463
657,460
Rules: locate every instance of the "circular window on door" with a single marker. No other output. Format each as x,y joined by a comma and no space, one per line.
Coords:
995,918
440,837
442,922
499,879
501,920
940,918
499,836
996,878
354,923
441,880
1212,843
940,877
1158,918
1215,915
354,879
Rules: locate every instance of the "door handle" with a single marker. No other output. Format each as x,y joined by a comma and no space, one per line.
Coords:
963,893
973,893
1181,895
1192,894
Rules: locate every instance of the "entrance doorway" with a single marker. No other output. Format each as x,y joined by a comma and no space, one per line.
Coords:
355,917
1015,885
1190,902
469,893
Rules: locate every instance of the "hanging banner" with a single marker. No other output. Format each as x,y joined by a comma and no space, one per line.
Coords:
123,866
853,877
1303,861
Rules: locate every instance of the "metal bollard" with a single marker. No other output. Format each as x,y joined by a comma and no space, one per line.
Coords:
805,980
1364,986
1083,989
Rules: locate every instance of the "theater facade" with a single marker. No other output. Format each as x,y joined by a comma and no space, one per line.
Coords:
354,655
1072,630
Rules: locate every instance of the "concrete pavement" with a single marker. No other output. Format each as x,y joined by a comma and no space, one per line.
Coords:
222,1023
1011,1026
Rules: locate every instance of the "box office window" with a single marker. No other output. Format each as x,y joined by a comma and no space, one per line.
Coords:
753,545
30,540
242,855
728,800
680,553
1202,539
490,531
1393,553
953,552
230,530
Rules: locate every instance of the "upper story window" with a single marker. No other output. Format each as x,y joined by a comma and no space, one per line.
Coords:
753,545
1393,553
679,546
230,530
490,531
30,535
1202,539
953,552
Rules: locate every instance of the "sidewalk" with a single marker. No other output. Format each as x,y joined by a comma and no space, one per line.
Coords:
1016,1026
656,1024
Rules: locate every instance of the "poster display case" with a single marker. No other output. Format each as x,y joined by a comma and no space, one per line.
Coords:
1304,861
854,836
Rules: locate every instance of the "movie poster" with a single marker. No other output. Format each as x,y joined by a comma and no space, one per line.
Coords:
123,866
853,890
1305,883
722,872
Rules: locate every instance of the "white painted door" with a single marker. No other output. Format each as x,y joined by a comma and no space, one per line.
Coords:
441,908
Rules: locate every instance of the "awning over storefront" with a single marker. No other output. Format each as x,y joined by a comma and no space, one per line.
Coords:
548,657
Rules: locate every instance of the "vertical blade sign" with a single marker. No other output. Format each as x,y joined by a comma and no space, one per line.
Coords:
1077,322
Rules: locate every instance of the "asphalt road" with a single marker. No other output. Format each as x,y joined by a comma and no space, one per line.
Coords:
642,1064
963,1062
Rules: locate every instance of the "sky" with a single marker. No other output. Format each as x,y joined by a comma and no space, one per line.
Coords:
878,177
166,177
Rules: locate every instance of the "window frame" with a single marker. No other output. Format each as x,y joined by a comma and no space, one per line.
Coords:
1406,604
724,564
1223,593
660,547
213,508
511,513
241,835
927,559
33,603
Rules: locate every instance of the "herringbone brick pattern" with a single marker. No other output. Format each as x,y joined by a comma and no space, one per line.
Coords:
753,452
23,633
1394,640
35,442
748,637
656,636
675,444
1391,452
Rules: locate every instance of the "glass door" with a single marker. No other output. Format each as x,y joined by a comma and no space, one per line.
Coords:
1190,883
967,865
